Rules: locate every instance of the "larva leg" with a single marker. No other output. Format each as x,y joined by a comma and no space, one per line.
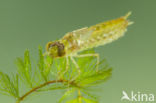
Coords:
67,65
79,71
67,68
94,55
77,67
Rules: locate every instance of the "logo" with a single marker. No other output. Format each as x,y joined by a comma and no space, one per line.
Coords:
137,96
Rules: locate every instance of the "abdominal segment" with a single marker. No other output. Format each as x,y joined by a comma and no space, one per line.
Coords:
97,35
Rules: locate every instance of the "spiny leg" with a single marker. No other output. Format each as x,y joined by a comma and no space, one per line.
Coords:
66,69
77,67
67,65
94,55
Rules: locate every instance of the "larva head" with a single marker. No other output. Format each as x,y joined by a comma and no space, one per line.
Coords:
55,49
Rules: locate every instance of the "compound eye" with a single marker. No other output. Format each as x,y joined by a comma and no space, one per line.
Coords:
49,45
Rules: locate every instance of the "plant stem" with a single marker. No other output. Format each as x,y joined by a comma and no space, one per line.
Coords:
79,96
40,86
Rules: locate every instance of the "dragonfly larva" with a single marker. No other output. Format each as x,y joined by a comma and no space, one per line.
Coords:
88,37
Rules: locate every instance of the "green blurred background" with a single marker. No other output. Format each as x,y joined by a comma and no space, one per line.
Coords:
30,23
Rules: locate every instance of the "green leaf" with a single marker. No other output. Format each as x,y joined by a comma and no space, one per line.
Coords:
89,100
24,69
48,64
95,79
74,101
8,86
87,93
66,95
43,76
44,65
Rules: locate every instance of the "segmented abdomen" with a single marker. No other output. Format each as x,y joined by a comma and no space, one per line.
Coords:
106,32
97,35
